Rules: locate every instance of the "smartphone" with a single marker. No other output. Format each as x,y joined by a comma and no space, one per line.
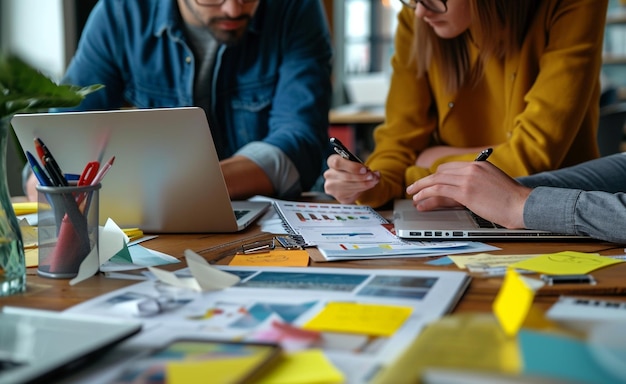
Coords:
343,151
247,361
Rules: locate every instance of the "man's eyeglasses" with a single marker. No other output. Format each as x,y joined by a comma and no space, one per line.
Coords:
212,3
436,6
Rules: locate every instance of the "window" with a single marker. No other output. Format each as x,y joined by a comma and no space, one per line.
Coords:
363,38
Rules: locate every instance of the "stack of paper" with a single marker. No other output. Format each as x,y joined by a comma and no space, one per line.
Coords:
346,232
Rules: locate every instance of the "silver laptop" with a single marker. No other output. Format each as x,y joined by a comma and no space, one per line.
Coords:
166,175
455,224
38,345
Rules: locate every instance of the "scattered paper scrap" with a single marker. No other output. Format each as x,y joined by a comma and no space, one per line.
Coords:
204,276
565,263
563,357
514,300
29,236
444,260
369,319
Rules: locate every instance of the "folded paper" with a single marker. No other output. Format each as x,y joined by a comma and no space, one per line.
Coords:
204,276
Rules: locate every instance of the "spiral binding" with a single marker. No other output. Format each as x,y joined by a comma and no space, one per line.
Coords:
293,240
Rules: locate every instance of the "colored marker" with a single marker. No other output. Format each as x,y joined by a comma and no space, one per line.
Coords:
56,175
40,174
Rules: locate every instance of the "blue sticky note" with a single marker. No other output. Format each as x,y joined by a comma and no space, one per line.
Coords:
440,261
561,357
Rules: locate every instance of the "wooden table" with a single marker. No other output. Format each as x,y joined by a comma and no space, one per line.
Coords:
55,294
367,116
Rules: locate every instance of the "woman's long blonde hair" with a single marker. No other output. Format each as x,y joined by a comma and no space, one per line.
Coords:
508,19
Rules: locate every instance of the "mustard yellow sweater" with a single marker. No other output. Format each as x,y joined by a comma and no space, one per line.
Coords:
538,108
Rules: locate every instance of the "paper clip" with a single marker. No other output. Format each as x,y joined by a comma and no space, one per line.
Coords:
258,247
289,243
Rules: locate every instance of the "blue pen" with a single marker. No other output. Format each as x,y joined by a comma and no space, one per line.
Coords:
40,174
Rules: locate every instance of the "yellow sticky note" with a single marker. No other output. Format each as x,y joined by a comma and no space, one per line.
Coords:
565,263
369,319
32,257
304,367
24,208
274,258
514,300
487,260
219,371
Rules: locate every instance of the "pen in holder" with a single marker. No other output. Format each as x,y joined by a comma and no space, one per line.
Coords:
68,220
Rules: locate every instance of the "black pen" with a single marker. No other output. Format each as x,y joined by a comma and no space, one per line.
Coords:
484,155
50,164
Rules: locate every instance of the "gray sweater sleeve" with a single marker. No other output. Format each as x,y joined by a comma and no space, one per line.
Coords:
586,199
601,215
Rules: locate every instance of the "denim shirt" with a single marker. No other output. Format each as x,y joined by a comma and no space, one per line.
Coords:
274,86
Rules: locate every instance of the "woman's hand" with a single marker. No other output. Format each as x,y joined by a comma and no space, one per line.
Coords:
345,180
479,185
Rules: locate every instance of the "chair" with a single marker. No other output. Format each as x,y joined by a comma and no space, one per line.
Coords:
611,128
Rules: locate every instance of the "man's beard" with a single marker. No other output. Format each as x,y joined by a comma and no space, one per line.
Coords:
229,37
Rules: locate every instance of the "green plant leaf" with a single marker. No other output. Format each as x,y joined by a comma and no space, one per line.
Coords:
24,89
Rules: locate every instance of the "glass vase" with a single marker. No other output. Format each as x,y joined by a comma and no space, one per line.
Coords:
12,261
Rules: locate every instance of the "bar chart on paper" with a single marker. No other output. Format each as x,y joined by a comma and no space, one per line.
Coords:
337,215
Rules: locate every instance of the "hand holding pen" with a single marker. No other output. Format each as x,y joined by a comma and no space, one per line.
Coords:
484,155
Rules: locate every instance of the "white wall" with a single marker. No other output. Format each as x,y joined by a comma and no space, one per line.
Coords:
35,30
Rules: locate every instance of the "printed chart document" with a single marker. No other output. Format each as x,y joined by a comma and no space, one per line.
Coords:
350,231
361,319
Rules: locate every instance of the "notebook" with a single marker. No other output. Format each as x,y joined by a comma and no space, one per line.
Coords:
38,345
454,224
166,175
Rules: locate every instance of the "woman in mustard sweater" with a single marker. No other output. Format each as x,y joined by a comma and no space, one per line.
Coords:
519,76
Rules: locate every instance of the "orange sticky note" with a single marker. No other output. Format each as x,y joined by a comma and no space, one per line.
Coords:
274,258
368,319
514,300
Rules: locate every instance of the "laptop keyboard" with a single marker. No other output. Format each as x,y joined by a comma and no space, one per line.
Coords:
239,213
484,223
